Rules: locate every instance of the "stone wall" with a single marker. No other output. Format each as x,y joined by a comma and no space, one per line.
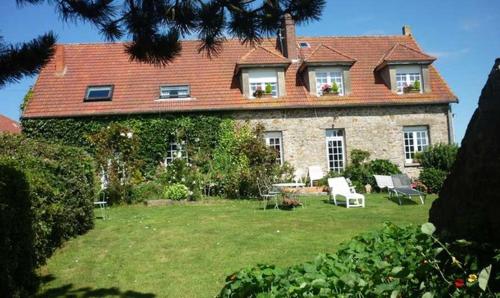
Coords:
378,130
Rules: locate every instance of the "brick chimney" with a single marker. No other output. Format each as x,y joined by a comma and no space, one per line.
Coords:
59,60
406,30
289,49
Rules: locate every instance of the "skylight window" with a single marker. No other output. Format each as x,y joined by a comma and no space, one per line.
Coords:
174,91
99,93
304,44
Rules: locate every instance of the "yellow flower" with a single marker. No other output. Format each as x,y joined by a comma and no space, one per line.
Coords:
472,278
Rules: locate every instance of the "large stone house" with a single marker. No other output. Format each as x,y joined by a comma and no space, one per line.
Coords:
318,97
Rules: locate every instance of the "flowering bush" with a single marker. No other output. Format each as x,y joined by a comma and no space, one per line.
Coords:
395,262
182,172
176,192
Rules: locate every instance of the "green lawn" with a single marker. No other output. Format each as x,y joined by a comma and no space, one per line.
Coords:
188,250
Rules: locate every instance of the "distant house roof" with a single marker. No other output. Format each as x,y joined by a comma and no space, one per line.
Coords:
212,81
9,125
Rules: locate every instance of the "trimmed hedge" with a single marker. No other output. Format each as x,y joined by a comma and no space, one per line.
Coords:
60,193
17,254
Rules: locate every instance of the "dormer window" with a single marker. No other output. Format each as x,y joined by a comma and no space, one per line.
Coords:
263,83
329,81
174,91
99,93
408,79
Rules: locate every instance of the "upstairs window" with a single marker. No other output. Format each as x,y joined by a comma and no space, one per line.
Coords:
274,140
416,139
174,91
406,78
259,80
327,79
99,93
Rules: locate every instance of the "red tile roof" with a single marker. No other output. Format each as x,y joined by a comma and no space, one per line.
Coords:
400,52
213,83
324,53
261,55
9,125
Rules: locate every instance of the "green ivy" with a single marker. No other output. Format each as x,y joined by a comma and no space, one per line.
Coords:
155,132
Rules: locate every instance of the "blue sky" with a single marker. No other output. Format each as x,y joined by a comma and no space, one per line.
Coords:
463,34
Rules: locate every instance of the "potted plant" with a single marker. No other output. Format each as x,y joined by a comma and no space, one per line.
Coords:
258,93
412,88
326,89
267,92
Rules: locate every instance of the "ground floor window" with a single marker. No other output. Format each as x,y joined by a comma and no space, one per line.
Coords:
175,150
416,139
274,139
335,150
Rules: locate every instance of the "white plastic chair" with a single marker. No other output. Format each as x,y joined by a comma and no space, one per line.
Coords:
339,187
315,173
384,181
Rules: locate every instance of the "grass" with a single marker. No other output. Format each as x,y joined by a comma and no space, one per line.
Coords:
188,250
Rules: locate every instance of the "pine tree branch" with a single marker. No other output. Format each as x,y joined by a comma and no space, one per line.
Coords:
18,61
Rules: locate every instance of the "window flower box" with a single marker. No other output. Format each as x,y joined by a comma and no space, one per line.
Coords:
259,93
410,90
327,90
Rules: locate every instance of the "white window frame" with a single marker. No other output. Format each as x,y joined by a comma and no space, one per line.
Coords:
165,88
175,150
407,75
334,137
415,139
274,140
330,75
260,78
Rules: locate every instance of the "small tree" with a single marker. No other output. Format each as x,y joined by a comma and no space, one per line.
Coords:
116,152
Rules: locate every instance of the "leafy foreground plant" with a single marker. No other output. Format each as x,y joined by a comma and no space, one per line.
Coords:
392,262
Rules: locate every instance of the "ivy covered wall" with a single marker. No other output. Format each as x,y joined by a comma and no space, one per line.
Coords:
155,132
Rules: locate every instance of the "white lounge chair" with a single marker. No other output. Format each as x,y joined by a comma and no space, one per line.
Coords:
339,187
315,173
384,181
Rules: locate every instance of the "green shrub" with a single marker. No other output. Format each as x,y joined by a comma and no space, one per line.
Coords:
17,253
182,172
436,162
361,171
335,87
62,190
149,190
433,179
439,156
176,192
392,262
